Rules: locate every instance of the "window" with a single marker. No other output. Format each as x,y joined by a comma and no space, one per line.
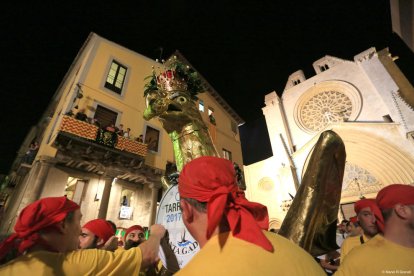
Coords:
296,82
152,137
74,189
324,67
105,116
126,204
227,154
201,105
116,77
233,127
211,116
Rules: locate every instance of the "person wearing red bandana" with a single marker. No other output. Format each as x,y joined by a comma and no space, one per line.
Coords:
46,239
134,236
393,251
367,211
95,234
232,231
353,227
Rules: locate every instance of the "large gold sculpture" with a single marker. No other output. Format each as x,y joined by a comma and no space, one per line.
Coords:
171,97
312,218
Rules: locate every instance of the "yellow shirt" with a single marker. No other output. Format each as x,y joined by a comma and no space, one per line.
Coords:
351,242
378,256
238,257
81,262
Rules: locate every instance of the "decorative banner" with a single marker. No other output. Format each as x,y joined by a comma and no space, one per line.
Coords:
182,243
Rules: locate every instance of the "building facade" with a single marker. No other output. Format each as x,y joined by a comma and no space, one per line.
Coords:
93,145
367,101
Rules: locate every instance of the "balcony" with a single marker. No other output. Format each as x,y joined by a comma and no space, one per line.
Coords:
81,140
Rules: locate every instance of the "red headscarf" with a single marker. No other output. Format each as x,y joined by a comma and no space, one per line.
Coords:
371,203
353,220
132,228
42,214
393,194
363,203
101,228
213,180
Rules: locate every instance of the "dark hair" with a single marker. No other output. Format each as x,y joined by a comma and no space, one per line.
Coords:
200,206
386,214
112,224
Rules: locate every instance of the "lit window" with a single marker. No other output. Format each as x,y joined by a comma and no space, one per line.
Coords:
201,106
116,77
227,154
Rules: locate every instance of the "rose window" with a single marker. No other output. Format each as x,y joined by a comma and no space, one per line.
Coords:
324,108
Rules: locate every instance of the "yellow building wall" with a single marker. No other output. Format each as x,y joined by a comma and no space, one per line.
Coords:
225,137
90,71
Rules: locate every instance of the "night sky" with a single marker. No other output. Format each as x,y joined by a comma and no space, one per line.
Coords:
245,49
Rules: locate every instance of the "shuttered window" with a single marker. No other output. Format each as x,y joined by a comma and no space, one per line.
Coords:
105,116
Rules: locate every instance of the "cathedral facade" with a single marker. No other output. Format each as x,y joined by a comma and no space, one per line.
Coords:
367,101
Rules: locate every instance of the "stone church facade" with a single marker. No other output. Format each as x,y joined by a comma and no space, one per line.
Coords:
367,101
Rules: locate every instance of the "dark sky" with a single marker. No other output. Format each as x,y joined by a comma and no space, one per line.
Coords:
245,49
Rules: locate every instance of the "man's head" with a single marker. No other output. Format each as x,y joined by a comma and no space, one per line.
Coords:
396,202
353,227
134,236
212,203
367,211
52,223
95,234
342,226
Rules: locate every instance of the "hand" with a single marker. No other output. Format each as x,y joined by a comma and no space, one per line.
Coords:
157,230
111,244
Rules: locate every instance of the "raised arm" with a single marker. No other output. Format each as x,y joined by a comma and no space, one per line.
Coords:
151,247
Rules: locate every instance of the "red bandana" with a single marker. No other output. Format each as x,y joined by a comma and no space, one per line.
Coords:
371,203
353,220
41,214
394,194
132,228
213,180
101,228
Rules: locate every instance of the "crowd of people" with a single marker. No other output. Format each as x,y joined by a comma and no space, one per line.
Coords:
231,231
119,130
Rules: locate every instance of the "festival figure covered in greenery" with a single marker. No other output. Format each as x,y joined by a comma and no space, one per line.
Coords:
171,96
